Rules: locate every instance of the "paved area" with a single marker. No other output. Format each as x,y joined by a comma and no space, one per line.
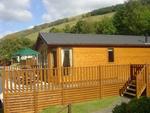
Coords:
110,108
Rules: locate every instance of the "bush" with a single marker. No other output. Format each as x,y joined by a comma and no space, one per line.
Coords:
81,27
105,26
141,105
54,30
9,46
120,108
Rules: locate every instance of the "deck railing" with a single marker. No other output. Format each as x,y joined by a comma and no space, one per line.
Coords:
19,80
135,69
141,82
33,89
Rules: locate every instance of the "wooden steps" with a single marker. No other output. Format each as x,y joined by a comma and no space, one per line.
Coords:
132,85
130,94
130,91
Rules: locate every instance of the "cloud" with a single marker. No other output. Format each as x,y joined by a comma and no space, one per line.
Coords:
56,9
15,10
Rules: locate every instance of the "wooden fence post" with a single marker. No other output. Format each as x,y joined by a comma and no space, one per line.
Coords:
62,84
69,108
35,92
100,82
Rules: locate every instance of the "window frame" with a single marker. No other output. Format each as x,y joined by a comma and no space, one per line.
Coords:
66,70
70,56
111,57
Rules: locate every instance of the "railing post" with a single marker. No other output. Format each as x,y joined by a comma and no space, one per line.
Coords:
3,89
62,84
35,92
137,86
145,75
100,82
147,81
69,108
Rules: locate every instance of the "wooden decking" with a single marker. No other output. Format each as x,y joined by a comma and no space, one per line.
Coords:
30,90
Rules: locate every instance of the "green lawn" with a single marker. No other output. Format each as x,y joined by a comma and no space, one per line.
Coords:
84,107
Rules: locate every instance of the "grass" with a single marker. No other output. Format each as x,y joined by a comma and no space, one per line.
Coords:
89,19
84,107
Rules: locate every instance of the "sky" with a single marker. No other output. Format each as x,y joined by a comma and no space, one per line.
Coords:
17,15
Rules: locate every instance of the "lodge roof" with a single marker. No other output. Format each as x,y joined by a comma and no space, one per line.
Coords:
93,39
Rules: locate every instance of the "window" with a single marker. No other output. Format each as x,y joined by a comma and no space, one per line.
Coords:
110,55
45,57
42,58
53,58
66,55
53,61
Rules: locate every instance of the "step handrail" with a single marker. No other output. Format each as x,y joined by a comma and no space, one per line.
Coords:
124,87
141,82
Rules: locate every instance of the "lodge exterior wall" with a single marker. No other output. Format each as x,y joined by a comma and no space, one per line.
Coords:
97,56
89,56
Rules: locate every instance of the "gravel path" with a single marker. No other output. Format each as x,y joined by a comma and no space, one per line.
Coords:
110,108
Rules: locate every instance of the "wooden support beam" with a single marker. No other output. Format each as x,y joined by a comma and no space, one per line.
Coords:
49,57
59,63
58,57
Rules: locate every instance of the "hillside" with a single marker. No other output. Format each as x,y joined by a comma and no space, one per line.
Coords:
92,16
33,35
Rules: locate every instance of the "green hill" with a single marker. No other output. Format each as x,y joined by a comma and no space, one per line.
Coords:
33,35
92,16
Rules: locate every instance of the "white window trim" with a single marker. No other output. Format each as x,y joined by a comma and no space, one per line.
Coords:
62,55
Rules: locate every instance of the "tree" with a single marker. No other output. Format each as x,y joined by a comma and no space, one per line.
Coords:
67,29
9,46
145,1
80,27
105,26
54,30
133,19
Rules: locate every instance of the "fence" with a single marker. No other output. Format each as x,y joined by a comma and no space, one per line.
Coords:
30,90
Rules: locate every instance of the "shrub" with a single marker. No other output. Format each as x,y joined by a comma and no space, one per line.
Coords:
105,26
81,27
141,105
120,108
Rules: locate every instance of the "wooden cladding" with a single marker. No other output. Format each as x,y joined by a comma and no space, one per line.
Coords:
89,56
30,90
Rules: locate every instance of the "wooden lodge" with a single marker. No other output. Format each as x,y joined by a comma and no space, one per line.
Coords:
79,67
79,50
62,50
